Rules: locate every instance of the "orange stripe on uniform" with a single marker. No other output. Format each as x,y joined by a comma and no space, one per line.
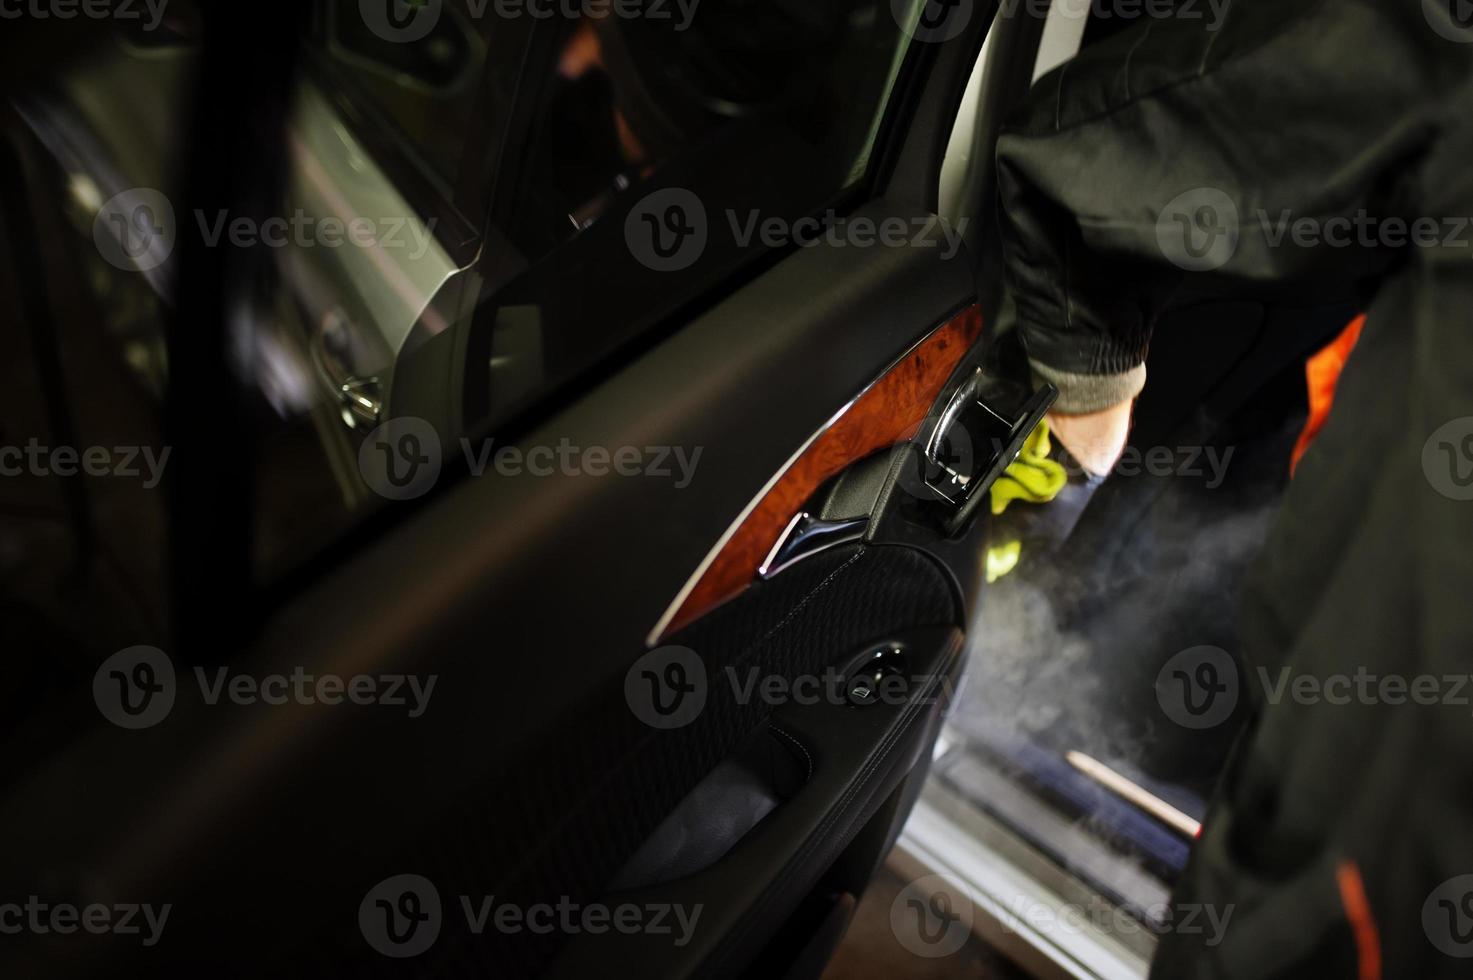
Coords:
1362,922
1322,372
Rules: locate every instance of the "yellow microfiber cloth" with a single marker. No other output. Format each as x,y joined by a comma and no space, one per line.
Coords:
1033,478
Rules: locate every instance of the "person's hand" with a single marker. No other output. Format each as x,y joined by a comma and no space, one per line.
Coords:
1096,439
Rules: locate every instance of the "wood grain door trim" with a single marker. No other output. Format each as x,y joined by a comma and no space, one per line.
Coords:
887,412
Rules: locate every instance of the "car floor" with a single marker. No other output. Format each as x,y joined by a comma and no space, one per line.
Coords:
871,951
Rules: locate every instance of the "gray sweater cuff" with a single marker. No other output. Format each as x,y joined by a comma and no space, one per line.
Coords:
1080,394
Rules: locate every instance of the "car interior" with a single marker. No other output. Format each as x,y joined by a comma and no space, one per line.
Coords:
832,526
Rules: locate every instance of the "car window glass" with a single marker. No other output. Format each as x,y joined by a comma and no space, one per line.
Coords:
417,73
93,147
746,111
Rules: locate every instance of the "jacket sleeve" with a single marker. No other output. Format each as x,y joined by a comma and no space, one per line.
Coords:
1240,149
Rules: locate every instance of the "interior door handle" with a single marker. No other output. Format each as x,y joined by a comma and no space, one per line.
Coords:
360,398
936,484
975,438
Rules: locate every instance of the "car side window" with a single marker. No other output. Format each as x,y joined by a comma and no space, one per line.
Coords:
417,71
628,130
661,151
479,211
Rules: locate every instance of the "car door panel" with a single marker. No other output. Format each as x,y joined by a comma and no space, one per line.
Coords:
530,603
491,611
858,755
886,413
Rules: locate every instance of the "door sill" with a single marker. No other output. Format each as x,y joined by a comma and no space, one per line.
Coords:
1022,904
